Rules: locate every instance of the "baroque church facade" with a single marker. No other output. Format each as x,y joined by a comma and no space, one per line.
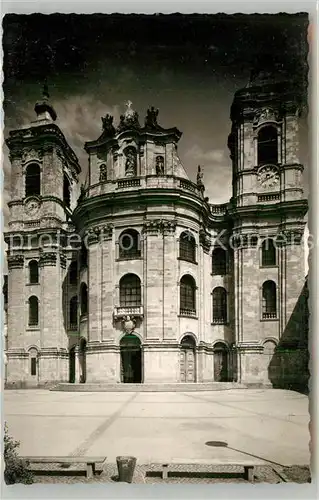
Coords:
136,277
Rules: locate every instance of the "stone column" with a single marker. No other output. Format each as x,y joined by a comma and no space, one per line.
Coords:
170,288
93,244
50,305
204,284
153,280
107,283
16,303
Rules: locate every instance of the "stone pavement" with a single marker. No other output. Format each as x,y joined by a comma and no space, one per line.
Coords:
266,424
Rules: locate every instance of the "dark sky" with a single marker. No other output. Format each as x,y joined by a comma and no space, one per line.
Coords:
188,66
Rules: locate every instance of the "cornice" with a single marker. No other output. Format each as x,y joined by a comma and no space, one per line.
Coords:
140,135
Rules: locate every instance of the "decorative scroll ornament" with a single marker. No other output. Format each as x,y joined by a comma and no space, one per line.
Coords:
204,240
291,237
129,324
48,259
159,226
98,233
266,115
31,155
15,261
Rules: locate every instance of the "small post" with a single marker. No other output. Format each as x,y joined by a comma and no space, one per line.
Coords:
165,471
249,473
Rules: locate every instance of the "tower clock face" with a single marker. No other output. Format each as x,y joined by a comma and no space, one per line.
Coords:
32,207
268,177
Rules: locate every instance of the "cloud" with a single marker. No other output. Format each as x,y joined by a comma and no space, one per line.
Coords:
213,155
216,166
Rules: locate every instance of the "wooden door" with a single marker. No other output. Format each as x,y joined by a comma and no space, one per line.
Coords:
190,356
183,365
220,366
187,365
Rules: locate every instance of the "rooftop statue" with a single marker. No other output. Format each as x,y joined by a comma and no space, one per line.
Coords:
151,118
107,123
199,179
129,119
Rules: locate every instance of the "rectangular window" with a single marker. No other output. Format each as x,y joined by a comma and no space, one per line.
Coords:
33,366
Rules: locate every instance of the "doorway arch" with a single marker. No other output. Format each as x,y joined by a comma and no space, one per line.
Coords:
220,362
82,359
131,359
72,365
188,359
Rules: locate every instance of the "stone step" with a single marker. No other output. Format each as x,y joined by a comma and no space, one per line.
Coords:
165,387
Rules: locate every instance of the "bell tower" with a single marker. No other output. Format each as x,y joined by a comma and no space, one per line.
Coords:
44,177
264,143
268,209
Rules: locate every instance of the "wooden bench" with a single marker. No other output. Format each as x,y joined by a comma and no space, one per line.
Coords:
89,461
247,466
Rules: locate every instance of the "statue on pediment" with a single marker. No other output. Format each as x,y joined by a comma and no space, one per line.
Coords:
151,118
129,119
199,179
159,165
103,173
131,162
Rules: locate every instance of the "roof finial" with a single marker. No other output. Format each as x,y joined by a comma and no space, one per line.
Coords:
45,90
43,108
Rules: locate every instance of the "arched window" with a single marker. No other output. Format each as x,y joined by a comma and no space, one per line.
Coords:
32,180
130,291
66,191
219,262
129,244
268,253
33,311
33,356
187,296
73,273
73,313
269,301
84,298
33,272
187,246
267,145
219,305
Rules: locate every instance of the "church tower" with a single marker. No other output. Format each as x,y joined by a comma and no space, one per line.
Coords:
268,209
44,176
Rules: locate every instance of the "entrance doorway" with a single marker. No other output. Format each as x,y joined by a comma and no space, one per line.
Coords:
82,359
220,362
72,365
187,359
131,359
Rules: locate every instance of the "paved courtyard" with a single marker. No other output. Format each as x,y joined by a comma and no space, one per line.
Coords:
271,425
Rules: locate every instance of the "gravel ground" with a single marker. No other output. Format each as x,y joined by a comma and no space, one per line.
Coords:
186,473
